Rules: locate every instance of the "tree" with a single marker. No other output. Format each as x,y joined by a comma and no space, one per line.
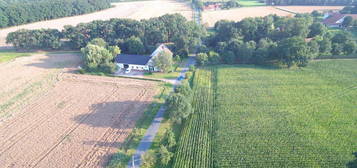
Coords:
350,47
202,59
178,107
165,155
114,50
325,46
98,42
97,58
213,58
347,21
163,61
149,159
337,49
169,139
317,29
184,89
134,46
294,51
314,48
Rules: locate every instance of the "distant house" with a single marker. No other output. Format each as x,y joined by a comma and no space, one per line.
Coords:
335,20
140,62
212,7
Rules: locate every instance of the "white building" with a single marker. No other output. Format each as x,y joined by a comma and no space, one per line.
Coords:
140,62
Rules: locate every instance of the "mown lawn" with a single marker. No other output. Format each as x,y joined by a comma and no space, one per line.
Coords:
287,118
9,55
159,75
250,3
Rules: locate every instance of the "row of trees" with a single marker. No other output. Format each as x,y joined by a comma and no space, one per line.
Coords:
273,39
133,37
349,10
310,2
179,108
19,12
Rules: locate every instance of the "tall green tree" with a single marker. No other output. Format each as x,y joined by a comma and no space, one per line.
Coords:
164,61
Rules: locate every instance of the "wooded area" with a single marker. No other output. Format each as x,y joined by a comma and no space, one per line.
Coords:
274,39
133,37
17,12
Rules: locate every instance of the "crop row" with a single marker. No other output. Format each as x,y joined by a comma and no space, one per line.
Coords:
195,145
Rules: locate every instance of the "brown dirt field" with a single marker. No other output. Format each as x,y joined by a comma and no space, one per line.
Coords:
211,17
70,120
134,10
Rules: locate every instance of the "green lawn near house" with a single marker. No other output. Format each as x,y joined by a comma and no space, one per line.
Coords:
250,3
9,55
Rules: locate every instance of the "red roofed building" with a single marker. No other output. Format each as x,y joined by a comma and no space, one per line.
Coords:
336,19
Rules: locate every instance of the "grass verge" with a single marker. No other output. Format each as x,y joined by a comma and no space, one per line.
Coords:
124,154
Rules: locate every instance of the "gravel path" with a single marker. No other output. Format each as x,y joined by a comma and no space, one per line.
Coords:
150,134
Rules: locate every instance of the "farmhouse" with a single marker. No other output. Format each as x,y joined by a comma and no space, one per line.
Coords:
336,19
140,62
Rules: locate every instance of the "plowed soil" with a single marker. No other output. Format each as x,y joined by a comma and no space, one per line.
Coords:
65,119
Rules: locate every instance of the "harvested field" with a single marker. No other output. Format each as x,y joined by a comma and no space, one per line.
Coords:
67,120
309,9
133,10
211,17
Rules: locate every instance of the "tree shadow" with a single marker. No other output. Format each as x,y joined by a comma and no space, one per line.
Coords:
58,60
353,163
118,115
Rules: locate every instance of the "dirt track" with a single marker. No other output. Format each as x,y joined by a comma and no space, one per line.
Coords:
70,120
211,17
134,10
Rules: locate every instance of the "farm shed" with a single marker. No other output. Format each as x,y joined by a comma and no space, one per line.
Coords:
140,62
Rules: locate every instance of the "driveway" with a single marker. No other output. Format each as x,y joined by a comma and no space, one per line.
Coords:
151,132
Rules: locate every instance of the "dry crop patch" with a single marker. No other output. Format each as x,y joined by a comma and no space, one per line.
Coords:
73,121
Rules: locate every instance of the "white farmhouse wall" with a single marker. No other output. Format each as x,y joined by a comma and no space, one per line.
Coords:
134,67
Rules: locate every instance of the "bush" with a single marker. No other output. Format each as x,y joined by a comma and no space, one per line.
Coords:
202,59
165,155
178,107
149,159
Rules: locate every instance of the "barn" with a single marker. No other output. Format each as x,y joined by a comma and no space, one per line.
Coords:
140,62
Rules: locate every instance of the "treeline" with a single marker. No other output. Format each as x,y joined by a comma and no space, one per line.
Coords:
273,40
17,12
310,2
133,37
349,10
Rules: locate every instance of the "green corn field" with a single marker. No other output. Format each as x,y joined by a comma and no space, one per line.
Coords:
252,116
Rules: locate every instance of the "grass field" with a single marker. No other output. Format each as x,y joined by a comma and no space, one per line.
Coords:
268,117
250,3
10,55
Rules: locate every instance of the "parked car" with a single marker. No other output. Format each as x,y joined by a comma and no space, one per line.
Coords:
127,71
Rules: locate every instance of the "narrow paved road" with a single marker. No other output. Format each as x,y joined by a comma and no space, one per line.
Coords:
150,134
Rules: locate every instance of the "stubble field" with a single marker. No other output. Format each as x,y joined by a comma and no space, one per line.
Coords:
53,118
211,17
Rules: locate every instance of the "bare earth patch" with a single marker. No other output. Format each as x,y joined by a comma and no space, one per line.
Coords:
69,120
133,10
211,17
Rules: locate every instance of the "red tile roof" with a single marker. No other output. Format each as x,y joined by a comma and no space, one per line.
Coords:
332,20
